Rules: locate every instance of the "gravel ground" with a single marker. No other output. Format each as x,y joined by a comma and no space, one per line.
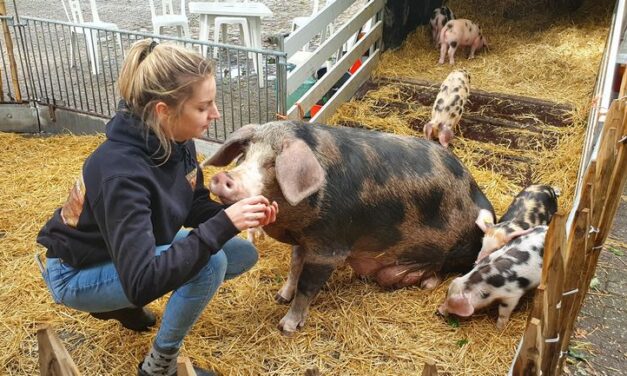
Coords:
136,14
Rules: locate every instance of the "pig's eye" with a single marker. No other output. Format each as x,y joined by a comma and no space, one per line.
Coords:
239,159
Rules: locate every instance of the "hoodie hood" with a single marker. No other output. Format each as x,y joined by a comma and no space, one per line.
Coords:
128,128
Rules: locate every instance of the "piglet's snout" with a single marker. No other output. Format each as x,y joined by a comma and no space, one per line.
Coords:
223,186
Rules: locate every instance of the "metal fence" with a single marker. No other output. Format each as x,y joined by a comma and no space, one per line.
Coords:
74,67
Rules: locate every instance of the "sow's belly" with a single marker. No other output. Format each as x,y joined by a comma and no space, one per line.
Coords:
388,271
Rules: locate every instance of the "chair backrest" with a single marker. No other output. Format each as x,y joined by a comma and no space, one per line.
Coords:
75,13
167,8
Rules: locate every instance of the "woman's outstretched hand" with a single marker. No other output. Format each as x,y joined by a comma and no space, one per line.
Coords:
252,212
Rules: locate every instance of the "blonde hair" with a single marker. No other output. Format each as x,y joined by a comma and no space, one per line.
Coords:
153,73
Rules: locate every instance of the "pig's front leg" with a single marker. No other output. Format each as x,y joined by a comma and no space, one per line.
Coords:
286,293
506,306
312,277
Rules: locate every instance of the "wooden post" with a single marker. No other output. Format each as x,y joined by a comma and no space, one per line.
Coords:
575,263
54,359
553,279
430,369
184,367
528,361
11,55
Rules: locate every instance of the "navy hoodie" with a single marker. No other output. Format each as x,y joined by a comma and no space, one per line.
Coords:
127,202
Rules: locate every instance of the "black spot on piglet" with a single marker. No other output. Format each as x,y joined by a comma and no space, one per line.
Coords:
496,280
454,44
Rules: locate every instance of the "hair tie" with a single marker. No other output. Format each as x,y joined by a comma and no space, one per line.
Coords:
145,53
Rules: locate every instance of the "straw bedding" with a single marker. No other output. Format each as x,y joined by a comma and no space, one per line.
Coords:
354,328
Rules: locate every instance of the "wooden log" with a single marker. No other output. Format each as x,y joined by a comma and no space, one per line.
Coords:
528,361
553,278
54,359
575,264
430,369
184,367
8,41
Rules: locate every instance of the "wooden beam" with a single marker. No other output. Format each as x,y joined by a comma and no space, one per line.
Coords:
8,40
54,359
528,361
184,367
430,369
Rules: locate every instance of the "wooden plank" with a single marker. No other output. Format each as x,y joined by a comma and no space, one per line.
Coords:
553,278
528,361
330,46
11,54
322,86
54,359
430,369
575,264
347,90
184,367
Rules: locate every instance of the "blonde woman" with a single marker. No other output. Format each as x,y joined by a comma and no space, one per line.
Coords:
118,242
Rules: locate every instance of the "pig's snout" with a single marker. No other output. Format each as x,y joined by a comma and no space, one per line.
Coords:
223,186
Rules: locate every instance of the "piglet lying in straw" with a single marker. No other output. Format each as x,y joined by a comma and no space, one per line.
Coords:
503,276
533,206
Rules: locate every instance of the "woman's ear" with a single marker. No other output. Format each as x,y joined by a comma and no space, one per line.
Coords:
162,110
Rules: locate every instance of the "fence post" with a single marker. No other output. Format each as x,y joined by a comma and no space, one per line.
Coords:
528,361
54,359
552,278
429,369
10,53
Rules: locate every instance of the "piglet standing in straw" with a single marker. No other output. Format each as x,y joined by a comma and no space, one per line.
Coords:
504,276
448,107
439,18
460,33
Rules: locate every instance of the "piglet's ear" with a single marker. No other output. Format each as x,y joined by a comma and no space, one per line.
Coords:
517,233
445,136
298,171
485,220
460,306
232,147
428,130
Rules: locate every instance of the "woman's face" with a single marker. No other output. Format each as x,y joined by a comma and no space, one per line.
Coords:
197,113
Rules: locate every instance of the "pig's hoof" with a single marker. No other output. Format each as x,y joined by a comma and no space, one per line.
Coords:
501,324
280,299
440,62
430,282
290,324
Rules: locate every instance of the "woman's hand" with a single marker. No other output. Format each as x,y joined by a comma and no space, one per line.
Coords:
252,212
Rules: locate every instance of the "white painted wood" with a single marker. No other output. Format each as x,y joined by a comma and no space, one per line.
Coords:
348,89
330,46
321,87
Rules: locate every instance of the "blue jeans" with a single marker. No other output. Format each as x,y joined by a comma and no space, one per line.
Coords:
98,288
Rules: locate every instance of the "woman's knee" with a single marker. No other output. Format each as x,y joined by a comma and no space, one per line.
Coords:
241,255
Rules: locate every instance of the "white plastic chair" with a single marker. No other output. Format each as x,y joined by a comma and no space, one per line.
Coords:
75,15
168,18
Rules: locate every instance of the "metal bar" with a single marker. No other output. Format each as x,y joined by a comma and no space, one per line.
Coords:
43,41
6,77
67,92
239,87
248,83
89,72
9,43
104,75
42,91
67,54
56,68
114,40
24,61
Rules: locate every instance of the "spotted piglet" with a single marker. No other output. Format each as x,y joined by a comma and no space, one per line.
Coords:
448,107
439,18
460,33
533,206
503,276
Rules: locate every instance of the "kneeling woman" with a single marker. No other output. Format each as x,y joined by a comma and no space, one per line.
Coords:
117,243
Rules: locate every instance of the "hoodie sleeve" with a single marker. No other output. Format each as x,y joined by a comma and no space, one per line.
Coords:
124,217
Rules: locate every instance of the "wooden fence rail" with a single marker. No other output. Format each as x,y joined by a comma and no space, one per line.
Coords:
570,263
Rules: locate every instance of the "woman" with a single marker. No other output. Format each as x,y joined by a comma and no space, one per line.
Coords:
117,243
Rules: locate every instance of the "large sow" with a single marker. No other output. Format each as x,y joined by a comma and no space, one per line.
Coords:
400,210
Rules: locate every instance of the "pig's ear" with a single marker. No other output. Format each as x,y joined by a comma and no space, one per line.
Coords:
298,171
485,220
517,233
460,305
445,136
428,130
232,147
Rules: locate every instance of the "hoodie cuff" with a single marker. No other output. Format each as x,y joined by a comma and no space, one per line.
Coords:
217,231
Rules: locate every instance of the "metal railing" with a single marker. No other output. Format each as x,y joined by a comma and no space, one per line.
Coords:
74,67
